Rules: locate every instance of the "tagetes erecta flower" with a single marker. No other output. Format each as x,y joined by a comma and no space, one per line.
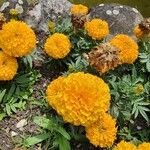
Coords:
79,9
79,98
128,48
138,32
142,31
57,46
17,39
125,146
8,67
79,15
102,133
97,29
144,146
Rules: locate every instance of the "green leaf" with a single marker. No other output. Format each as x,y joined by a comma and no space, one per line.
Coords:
63,143
30,141
11,92
2,95
50,125
2,115
148,66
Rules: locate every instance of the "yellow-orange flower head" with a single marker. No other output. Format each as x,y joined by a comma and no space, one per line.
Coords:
97,29
8,67
79,9
138,32
79,98
17,39
125,146
141,34
102,133
128,48
144,146
57,46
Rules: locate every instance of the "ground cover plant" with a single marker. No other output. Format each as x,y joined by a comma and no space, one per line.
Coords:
76,89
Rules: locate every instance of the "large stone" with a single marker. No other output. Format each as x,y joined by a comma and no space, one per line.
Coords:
121,18
46,10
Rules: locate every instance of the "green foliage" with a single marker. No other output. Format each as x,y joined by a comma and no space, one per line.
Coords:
145,55
14,94
52,130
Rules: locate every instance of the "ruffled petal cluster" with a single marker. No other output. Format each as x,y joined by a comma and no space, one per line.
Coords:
17,39
103,132
97,29
80,98
144,146
8,67
57,46
128,48
125,146
79,9
138,32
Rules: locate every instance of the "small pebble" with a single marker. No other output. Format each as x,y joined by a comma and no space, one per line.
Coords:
101,5
21,123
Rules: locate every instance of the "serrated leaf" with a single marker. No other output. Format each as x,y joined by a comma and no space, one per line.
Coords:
50,125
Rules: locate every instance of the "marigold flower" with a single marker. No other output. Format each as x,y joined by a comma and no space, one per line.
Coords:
79,9
141,34
125,146
102,133
138,32
8,67
79,98
103,57
97,29
17,39
144,146
128,48
57,46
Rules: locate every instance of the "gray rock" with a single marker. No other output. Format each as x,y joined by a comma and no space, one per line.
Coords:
121,18
46,10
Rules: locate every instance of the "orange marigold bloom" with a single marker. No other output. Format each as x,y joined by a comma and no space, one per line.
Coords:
102,133
128,48
79,9
97,29
17,39
8,67
79,98
125,146
144,146
138,32
57,46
